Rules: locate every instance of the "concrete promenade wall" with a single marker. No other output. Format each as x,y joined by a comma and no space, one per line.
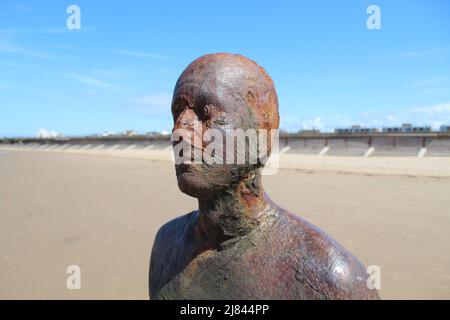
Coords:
381,145
373,145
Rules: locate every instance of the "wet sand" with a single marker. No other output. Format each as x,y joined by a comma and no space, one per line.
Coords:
102,212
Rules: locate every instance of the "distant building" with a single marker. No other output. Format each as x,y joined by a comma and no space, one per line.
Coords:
391,129
445,128
421,129
356,129
312,131
130,133
157,133
407,128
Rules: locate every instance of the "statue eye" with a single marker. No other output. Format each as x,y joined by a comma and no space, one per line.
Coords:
206,112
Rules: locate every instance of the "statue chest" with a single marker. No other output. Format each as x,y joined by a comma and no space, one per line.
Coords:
241,272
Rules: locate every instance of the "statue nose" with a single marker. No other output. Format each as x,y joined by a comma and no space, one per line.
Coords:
186,120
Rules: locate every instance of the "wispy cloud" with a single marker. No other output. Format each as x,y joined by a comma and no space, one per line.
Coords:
15,32
439,109
30,52
435,116
23,7
157,103
90,81
17,7
8,87
419,53
12,65
293,123
378,119
7,48
432,115
140,54
428,83
339,81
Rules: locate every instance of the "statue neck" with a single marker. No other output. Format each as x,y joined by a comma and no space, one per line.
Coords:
234,212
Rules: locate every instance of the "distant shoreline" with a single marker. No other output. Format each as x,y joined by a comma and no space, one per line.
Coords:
432,167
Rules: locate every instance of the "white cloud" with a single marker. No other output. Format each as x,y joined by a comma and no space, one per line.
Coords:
47,134
312,124
434,115
90,81
29,52
439,109
427,83
152,103
24,51
377,119
293,123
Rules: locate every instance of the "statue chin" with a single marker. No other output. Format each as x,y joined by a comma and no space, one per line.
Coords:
203,183
188,184
203,180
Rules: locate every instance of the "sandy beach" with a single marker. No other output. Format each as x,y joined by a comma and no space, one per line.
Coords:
101,211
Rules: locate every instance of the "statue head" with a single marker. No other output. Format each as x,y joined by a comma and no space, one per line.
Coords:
219,94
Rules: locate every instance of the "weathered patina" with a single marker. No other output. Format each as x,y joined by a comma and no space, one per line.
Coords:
239,244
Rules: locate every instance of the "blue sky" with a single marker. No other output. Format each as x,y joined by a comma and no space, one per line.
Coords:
118,71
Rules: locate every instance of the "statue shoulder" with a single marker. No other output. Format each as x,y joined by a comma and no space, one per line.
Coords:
325,266
174,229
167,252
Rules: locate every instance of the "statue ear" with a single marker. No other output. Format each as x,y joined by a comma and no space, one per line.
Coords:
251,183
250,175
252,95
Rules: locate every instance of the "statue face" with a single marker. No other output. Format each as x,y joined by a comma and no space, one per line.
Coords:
217,92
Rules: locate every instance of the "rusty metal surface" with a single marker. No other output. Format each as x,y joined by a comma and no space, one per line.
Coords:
239,244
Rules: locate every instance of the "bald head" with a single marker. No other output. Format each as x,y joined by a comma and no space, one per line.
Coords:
233,84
